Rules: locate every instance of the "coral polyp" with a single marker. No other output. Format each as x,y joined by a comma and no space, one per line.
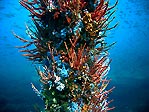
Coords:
69,44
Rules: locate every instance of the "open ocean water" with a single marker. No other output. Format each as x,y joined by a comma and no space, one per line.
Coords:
129,68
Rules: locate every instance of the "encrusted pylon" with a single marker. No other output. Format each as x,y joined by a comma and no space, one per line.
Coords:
68,42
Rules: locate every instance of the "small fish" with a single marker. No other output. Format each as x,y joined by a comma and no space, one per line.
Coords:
56,15
68,19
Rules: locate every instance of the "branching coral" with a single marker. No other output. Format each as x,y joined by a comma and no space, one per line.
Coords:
69,43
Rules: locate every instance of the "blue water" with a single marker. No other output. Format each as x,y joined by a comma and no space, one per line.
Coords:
129,68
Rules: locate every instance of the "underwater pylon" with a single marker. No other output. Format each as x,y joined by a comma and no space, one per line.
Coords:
67,40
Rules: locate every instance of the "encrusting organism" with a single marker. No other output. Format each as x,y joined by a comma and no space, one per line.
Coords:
67,42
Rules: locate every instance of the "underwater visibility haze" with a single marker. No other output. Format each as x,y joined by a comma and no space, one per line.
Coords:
129,68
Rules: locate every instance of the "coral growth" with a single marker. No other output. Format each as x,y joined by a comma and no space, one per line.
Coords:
68,38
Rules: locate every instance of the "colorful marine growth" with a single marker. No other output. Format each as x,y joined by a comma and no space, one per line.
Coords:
67,42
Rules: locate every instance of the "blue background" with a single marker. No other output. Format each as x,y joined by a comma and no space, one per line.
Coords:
129,68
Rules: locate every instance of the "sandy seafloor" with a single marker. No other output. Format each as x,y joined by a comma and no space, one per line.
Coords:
129,68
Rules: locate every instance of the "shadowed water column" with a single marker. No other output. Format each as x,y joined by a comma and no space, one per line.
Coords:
67,40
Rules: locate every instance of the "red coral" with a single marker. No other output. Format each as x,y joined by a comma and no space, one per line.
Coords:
100,11
36,8
76,58
71,5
